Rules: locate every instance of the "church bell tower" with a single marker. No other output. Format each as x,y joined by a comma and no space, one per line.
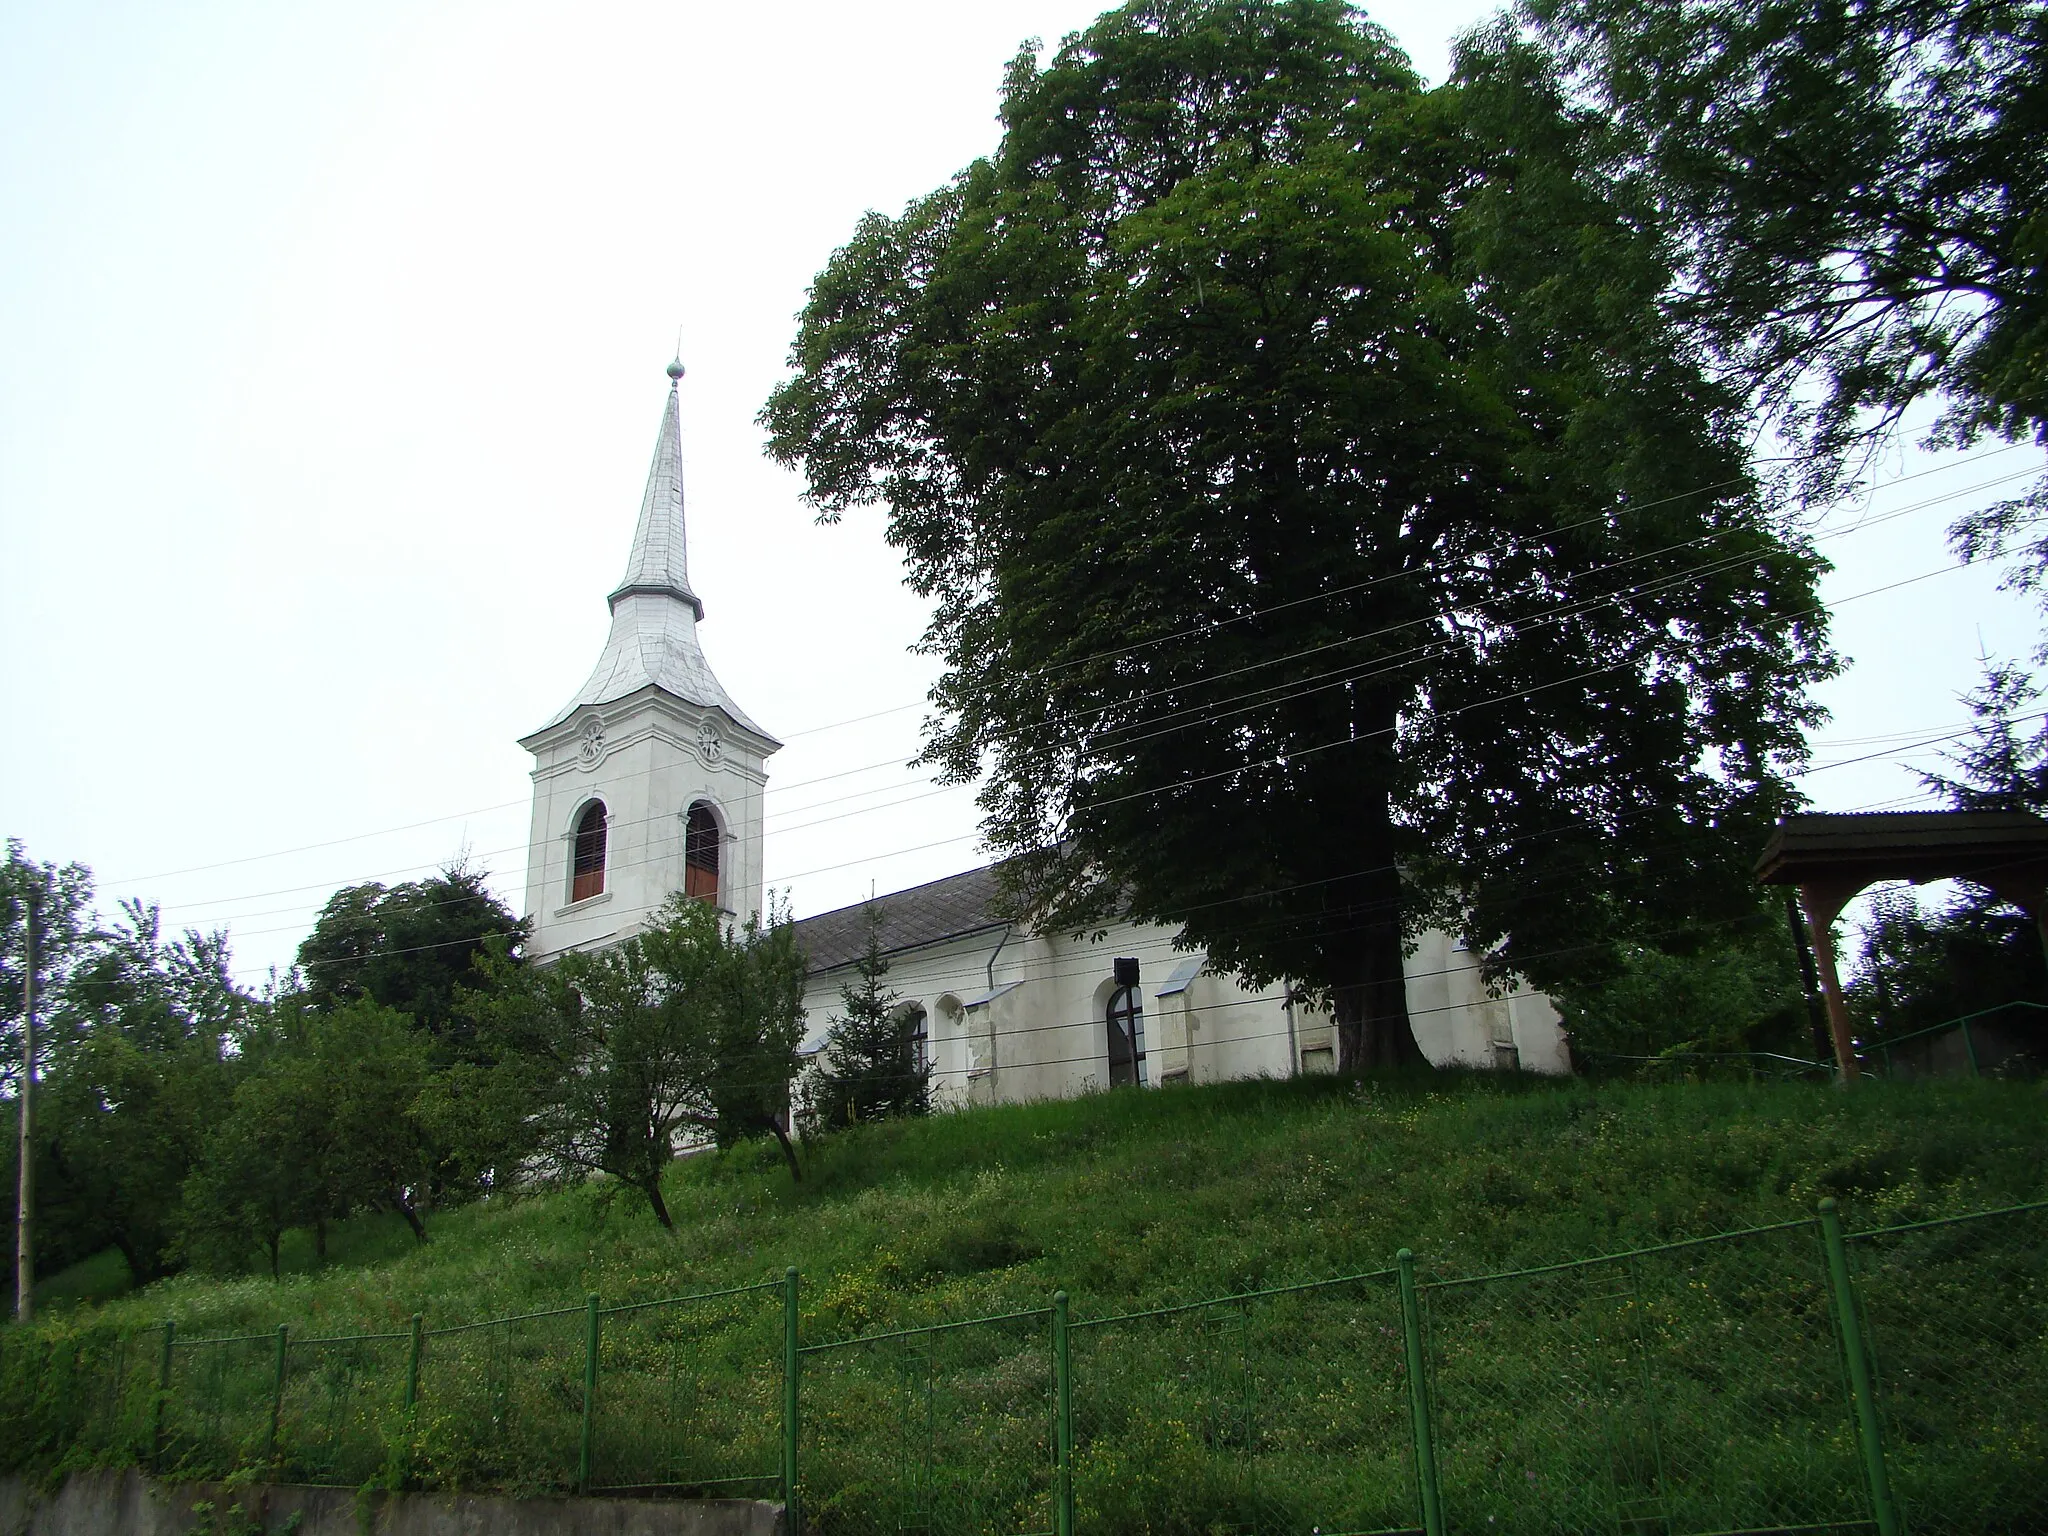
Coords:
650,780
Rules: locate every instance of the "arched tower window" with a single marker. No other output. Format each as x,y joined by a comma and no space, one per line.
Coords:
701,840
586,877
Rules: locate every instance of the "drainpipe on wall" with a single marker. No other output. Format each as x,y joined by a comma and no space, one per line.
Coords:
992,1007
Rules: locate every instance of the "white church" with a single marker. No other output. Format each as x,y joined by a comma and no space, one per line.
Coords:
650,781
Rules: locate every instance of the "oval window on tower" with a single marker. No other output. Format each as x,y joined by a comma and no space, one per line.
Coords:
701,839
586,876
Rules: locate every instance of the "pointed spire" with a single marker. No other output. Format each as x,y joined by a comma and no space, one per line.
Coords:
653,640
660,562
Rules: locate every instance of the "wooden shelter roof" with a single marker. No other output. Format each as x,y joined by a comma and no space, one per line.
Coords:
1905,845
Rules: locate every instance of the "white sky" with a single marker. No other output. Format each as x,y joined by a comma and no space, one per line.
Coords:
331,342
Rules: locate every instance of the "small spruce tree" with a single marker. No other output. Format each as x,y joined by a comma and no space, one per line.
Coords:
872,1070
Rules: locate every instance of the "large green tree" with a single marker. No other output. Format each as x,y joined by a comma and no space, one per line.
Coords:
1856,192
1326,530
1925,962
412,947
61,896
139,1065
325,1121
605,1061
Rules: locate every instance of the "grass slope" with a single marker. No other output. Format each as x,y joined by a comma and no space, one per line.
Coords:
1139,1199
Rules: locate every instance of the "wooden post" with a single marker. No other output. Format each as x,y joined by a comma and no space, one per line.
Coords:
1823,905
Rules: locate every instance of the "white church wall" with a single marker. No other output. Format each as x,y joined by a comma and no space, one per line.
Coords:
1458,1022
1042,1035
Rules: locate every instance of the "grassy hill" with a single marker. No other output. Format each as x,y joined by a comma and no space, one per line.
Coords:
1132,1200
1694,1389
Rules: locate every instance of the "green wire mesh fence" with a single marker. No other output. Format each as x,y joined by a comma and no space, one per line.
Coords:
1956,1314
1278,1410
683,1403
939,1429
500,1404
217,1403
1689,1388
1790,1377
339,1398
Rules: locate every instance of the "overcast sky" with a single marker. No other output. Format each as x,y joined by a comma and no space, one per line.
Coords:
331,349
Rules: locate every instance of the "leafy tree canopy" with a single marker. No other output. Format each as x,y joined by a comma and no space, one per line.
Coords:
62,898
1856,192
1737,994
324,1122
133,1074
605,1060
1327,528
412,947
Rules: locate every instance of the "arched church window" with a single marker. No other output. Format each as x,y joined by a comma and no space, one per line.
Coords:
1124,1015
920,1036
701,840
586,877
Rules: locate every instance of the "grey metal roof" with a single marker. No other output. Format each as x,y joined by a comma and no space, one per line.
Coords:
653,641
1183,974
924,914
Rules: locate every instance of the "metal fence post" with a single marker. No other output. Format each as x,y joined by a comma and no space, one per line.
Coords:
790,1362
1970,1048
412,1366
589,1389
1861,1389
1063,1420
163,1392
276,1394
1418,1399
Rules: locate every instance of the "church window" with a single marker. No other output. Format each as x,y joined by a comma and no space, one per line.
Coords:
1124,1016
920,1038
701,840
586,878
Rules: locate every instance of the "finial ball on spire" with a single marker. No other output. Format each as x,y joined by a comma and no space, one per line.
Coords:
675,369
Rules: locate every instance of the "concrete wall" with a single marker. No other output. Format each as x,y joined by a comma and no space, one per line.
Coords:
1045,1037
130,1504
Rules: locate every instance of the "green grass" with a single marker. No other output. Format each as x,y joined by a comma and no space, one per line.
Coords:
1133,1200
1270,1416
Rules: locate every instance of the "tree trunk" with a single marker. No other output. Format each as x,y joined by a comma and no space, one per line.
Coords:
652,1189
320,1238
276,1240
412,1217
1369,971
1373,1027
796,1174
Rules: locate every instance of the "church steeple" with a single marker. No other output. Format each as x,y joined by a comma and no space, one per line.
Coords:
660,562
649,782
653,640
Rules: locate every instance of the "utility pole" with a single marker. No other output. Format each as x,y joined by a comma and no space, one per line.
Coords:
25,1188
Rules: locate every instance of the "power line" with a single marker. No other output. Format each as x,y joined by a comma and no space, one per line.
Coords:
1278,759
943,789
1248,896
1217,624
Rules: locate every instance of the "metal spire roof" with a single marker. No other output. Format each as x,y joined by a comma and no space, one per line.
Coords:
653,642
